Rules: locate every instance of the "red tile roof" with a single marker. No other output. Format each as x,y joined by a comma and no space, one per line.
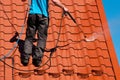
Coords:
90,54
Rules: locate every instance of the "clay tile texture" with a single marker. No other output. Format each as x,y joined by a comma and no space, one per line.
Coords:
81,50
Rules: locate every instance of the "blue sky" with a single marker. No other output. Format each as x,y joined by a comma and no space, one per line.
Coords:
112,10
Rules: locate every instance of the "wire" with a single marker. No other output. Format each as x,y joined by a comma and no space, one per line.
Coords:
7,16
52,50
15,45
27,70
60,29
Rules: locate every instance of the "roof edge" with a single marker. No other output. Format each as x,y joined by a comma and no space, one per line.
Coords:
111,49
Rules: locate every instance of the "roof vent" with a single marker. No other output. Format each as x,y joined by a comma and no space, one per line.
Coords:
97,72
68,72
83,75
39,72
54,75
24,75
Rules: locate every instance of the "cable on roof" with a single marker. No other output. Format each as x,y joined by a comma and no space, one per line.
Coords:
7,16
15,45
52,50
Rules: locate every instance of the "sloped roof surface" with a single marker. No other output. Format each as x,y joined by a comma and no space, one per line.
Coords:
89,54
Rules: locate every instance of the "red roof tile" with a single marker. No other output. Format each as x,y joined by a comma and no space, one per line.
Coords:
90,54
